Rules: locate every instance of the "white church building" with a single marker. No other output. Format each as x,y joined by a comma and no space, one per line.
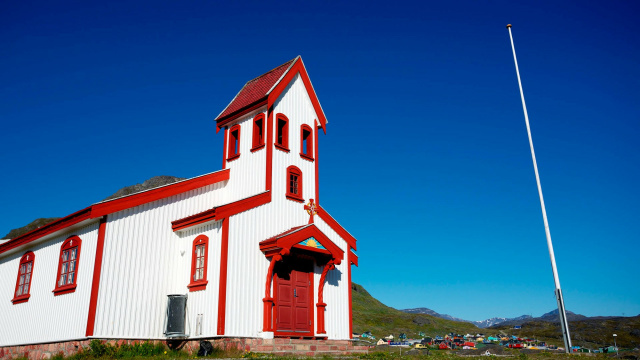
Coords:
244,252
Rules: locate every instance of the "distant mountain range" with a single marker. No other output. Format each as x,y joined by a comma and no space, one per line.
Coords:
551,316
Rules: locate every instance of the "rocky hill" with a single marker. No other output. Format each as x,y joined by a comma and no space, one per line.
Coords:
154,182
30,226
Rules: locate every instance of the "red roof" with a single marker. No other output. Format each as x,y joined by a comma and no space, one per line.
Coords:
255,90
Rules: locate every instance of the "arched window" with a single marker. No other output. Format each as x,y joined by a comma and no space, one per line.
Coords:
199,256
306,142
23,282
282,133
258,133
68,266
234,143
294,184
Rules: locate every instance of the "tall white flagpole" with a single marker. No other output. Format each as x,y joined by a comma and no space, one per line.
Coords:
561,312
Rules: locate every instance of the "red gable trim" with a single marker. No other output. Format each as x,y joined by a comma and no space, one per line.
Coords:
221,212
194,220
298,67
112,206
353,258
253,93
292,237
337,227
50,228
242,111
243,205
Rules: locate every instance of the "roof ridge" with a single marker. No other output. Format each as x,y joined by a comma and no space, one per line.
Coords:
275,68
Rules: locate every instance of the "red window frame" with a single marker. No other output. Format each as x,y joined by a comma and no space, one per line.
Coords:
67,275
306,150
199,262
294,185
233,151
282,133
27,260
258,133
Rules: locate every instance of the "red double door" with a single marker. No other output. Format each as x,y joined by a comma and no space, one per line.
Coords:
293,302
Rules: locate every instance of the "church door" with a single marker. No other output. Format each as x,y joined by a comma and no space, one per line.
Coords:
293,302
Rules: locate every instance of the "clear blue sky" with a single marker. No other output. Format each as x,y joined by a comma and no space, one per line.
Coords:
426,160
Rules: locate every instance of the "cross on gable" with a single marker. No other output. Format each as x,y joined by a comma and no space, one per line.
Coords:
312,209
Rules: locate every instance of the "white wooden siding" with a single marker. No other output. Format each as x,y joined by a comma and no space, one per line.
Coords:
294,103
45,317
203,302
248,171
336,289
143,263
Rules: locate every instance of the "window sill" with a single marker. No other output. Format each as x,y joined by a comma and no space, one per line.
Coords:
64,290
20,299
233,157
198,285
282,148
295,198
256,148
307,157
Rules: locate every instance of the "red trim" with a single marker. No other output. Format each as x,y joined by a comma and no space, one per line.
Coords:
315,134
258,132
50,228
257,148
138,199
282,139
224,148
321,305
353,258
205,216
297,195
242,111
64,290
298,67
20,299
337,227
239,206
201,284
233,151
97,269
282,148
267,321
222,211
306,152
349,262
294,198
222,293
67,245
269,170
288,240
28,258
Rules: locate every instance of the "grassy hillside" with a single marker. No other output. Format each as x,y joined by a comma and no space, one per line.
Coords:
589,332
370,314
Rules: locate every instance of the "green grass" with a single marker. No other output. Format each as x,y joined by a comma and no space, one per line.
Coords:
369,314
